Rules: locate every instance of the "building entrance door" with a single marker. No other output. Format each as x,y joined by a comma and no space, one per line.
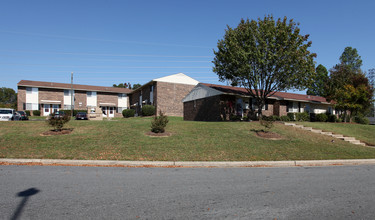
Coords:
46,109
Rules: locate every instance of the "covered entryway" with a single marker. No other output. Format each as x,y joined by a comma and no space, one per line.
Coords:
108,111
50,106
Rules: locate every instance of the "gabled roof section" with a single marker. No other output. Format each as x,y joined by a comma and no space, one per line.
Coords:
54,85
178,78
201,91
278,95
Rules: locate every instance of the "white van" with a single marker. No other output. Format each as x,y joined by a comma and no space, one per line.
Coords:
6,114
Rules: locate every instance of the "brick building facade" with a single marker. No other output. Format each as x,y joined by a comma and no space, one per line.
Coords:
209,102
164,93
49,97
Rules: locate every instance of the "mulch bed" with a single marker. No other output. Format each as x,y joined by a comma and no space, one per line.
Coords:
152,134
269,135
55,132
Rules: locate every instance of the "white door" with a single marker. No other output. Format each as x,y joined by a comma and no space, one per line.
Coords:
108,111
46,109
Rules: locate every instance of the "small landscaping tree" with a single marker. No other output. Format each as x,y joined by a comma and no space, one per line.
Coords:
159,123
57,122
267,122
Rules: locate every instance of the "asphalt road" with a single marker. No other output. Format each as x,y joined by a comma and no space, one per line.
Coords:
42,192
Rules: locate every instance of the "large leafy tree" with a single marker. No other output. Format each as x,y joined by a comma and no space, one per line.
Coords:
8,97
318,86
265,56
351,58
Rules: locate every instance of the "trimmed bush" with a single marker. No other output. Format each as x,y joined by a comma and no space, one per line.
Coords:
361,120
27,112
302,116
321,117
290,116
332,118
57,122
284,118
148,110
275,118
158,124
36,113
127,113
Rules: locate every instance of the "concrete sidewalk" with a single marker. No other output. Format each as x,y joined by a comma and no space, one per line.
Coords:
187,164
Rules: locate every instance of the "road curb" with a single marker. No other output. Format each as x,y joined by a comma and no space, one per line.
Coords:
218,164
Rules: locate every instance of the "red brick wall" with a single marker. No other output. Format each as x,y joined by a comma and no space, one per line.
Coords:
80,96
169,97
107,98
21,98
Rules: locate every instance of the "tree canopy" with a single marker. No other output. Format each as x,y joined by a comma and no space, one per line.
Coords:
8,97
351,58
348,86
265,56
318,86
123,85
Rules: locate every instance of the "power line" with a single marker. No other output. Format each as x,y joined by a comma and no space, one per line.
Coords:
103,40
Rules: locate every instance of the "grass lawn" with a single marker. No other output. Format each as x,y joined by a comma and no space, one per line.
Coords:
364,133
125,139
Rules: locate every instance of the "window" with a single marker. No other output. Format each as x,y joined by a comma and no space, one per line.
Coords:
289,107
29,90
89,94
121,96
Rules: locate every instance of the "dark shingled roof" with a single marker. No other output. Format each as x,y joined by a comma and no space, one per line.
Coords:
54,85
277,95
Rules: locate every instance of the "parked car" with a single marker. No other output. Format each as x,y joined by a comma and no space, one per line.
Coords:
6,114
81,116
16,116
23,115
59,114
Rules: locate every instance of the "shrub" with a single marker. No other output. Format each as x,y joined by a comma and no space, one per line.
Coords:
27,112
284,118
321,117
148,110
302,116
361,120
36,113
275,118
158,124
57,122
235,117
290,116
128,113
245,118
332,118
267,122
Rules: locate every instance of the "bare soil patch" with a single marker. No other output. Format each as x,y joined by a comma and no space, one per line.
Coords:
55,132
152,134
268,135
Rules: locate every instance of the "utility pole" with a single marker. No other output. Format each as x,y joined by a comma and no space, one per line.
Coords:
71,96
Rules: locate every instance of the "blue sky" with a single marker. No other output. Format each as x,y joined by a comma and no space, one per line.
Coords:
107,42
